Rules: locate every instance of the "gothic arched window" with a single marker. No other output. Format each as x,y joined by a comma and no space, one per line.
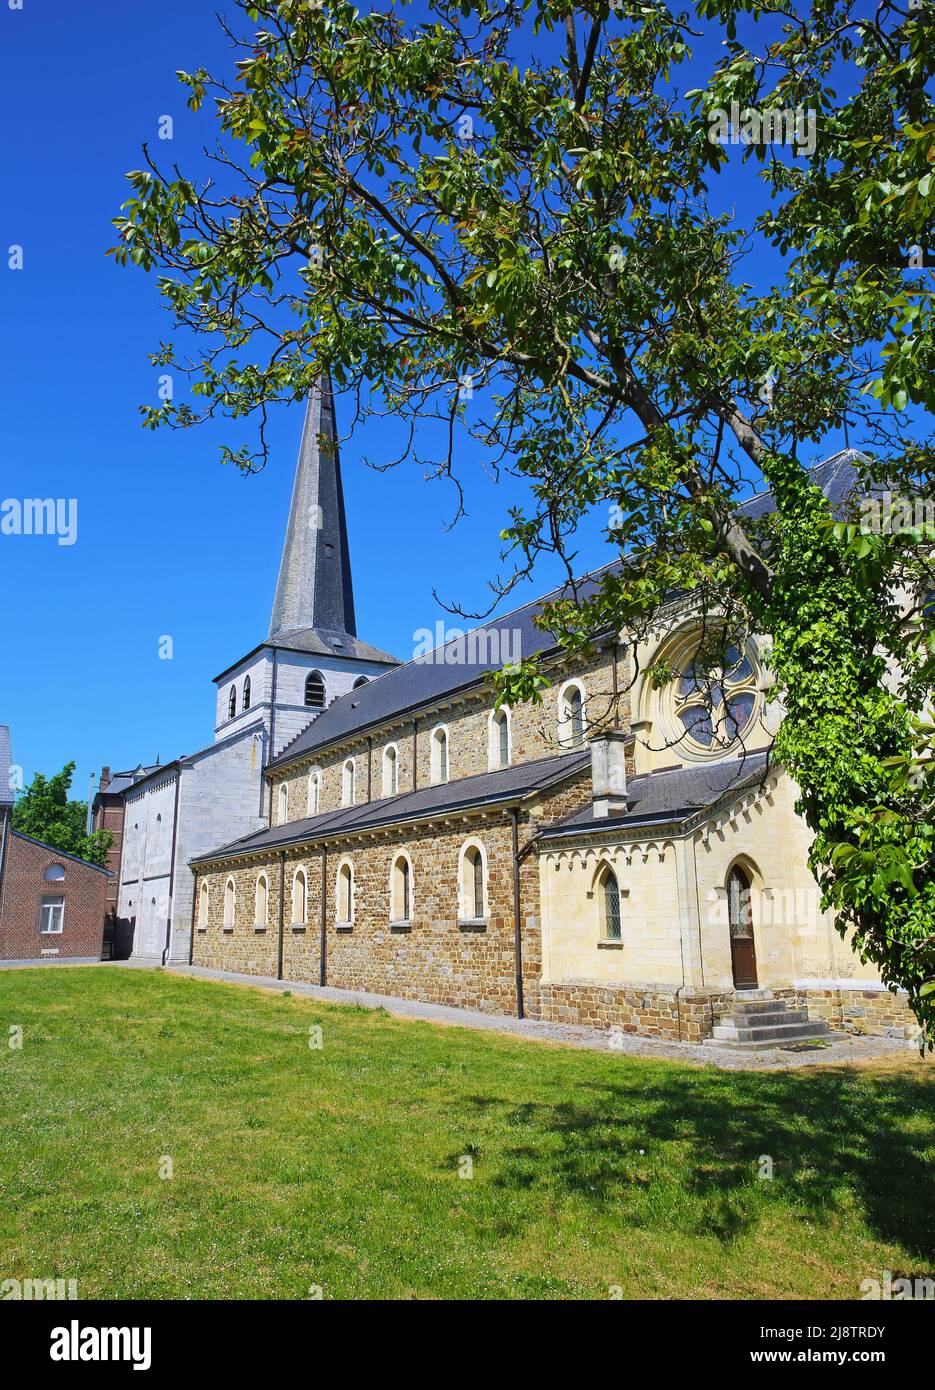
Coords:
283,804
390,771
299,898
202,905
246,693
314,792
472,886
315,690
610,905
401,891
499,746
230,903
345,896
348,783
439,755
261,901
232,703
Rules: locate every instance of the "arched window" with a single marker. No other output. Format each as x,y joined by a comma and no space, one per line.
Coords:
361,680
246,693
230,903
571,715
315,690
345,893
472,884
401,890
609,892
314,792
498,752
740,917
283,804
232,703
439,755
54,873
348,783
261,902
390,771
299,898
202,905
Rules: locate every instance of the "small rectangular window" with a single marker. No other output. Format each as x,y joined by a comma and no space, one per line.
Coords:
51,916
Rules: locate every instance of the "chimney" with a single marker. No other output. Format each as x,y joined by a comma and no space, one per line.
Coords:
105,778
608,773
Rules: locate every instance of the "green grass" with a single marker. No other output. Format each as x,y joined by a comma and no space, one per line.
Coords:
339,1168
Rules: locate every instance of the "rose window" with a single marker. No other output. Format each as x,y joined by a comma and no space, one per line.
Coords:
716,706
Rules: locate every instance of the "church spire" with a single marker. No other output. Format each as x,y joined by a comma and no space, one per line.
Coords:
314,588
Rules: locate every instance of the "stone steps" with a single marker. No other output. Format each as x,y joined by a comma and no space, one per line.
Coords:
757,1021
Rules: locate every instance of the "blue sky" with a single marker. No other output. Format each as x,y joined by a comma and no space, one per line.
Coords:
169,542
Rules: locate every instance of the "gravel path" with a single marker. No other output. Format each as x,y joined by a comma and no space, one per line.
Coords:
841,1048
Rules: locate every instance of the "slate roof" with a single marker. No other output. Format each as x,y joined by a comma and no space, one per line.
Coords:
508,785
664,798
466,661
6,762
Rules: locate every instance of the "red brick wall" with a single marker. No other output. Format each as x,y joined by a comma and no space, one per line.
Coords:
83,888
109,816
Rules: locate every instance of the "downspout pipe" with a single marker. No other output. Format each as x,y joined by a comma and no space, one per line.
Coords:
191,939
175,840
517,919
282,910
323,951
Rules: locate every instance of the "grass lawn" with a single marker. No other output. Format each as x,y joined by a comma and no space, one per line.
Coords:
339,1167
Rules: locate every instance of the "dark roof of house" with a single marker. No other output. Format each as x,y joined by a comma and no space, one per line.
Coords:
6,764
508,785
467,660
667,797
119,781
62,854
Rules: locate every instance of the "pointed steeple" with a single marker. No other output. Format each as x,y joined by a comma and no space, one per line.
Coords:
314,588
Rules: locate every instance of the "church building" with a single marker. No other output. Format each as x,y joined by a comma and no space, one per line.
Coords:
620,855
310,657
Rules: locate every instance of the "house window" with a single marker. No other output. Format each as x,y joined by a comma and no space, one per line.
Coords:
230,903
571,716
54,873
299,898
361,680
401,890
315,690
499,744
232,703
473,896
439,756
283,804
51,916
202,905
610,905
348,783
345,894
716,707
390,771
246,693
261,902
314,789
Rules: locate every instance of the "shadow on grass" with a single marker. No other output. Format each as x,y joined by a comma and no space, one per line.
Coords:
838,1141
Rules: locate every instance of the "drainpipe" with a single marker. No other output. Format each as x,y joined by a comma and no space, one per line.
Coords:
175,837
191,939
3,827
271,750
282,908
369,766
415,753
517,921
323,952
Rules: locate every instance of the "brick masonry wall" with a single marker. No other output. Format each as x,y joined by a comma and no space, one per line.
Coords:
864,1011
651,1010
436,957
534,734
83,888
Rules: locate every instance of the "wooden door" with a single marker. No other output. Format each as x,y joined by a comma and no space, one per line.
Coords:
742,946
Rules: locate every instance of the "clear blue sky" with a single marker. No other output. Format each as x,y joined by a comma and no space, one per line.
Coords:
169,542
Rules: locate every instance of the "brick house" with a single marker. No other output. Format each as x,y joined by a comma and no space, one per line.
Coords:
52,904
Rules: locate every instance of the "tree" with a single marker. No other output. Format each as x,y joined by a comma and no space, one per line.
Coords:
44,811
516,195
